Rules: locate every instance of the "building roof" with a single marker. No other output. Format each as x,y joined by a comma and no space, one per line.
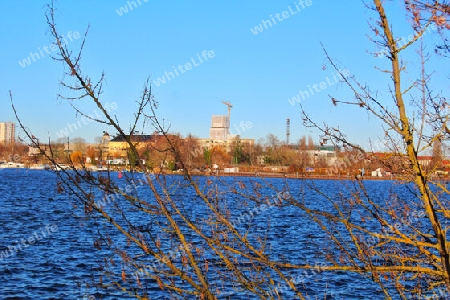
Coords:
146,138
136,138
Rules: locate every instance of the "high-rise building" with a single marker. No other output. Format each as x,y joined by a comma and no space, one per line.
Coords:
7,133
106,138
219,128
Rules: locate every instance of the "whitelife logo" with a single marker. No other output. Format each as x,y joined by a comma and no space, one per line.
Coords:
317,88
129,7
266,24
85,120
169,75
47,50
25,243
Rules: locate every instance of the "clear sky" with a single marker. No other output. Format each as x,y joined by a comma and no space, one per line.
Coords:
258,73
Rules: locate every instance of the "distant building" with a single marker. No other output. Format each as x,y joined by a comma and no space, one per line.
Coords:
104,147
261,160
33,151
226,144
118,147
220,128
326,155
220,136
425,161
7,133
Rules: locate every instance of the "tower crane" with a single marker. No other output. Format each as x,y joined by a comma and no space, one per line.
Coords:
229,107
229,111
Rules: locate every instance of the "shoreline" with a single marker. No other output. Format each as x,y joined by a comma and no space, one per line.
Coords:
304,176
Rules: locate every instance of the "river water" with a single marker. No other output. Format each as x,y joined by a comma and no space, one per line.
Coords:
46,248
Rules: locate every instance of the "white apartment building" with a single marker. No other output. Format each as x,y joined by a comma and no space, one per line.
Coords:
7,132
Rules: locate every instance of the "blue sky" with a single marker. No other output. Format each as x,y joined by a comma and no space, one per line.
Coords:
257,73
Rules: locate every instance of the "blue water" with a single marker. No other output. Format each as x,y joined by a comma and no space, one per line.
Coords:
61,263
48,253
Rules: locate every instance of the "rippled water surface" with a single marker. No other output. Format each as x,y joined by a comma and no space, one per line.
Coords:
46,251
56,263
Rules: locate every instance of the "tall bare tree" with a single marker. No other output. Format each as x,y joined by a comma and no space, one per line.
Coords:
402,243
